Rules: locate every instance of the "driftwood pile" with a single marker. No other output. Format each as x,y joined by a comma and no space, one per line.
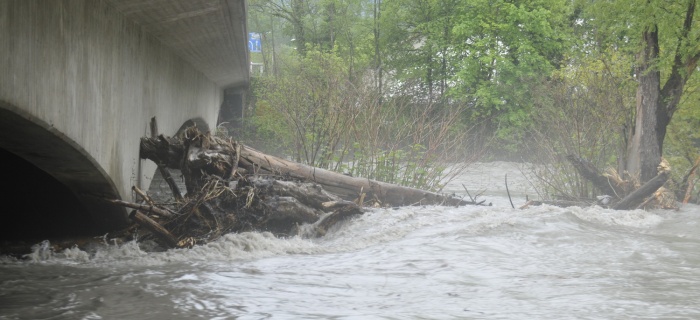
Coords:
234,188
621,192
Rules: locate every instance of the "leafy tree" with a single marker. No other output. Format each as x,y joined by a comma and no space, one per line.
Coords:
665,37
417,49
503,45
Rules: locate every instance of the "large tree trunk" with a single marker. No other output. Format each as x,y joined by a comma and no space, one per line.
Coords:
644,150
656,105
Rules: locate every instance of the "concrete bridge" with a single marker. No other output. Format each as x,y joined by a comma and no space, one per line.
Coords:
80,81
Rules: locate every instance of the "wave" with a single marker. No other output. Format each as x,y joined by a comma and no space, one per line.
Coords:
377,226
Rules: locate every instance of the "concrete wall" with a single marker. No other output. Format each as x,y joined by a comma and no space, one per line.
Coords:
81,74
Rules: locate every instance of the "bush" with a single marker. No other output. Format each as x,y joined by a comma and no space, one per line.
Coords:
324,120
585,110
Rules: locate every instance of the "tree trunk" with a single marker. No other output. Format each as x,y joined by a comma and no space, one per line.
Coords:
636,197
298,13
591,173
644,150
656,105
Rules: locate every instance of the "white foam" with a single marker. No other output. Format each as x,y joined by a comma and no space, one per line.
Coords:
628,218
242,246
376,226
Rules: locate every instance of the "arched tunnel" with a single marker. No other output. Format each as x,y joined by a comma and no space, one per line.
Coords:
37,206
52,188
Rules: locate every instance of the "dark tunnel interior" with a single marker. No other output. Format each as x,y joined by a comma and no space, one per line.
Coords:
38,207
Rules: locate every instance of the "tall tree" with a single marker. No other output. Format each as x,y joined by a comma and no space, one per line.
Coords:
666,37
296,13
377,61
417,49
503,48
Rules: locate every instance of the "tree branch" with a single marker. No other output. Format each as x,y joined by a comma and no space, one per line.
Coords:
681,70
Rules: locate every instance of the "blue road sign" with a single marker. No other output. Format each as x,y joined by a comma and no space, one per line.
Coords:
254,44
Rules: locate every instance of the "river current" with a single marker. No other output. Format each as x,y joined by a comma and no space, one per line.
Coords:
431,262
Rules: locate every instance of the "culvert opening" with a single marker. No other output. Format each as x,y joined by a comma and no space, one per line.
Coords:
37,206
54,190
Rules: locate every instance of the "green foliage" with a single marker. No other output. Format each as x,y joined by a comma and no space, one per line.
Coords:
418,45
682,144
483,55
502,46
683,140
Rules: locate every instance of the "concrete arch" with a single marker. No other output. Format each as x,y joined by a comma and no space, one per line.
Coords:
32,145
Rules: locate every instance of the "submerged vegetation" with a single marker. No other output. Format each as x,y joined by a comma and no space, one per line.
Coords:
402,90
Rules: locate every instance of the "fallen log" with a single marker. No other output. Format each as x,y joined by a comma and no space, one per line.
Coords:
636,197
602,182
177,194
346,187
556,203
217,158
154,227
294,203
623,193
141,207
143,195
343,211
